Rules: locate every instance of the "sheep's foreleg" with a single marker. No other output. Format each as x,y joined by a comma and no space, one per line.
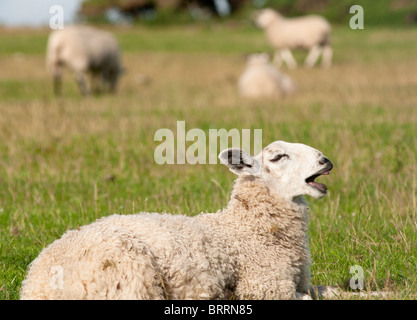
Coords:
302,296
331,292
81,80
287,56
313,56
327,56
57,81
324,292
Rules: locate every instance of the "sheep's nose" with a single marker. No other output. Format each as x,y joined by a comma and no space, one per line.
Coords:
324,160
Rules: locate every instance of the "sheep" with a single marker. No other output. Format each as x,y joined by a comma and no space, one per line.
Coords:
261,79
310,32
84,49
255,248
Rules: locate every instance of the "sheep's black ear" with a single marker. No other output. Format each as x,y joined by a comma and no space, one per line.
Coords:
239,162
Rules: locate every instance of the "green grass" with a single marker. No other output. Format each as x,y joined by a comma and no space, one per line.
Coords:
67,161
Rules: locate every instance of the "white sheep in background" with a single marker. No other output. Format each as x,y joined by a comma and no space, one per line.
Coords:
255,248
261,79
84,50
310,32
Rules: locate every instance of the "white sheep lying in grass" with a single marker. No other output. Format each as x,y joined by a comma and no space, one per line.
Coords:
255,248
261,79
310,33
84,50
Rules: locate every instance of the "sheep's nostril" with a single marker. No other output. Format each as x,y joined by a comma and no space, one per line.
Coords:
324,160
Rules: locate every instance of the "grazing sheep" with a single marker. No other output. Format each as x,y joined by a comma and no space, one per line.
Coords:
261,79
84,50
309,33
255,248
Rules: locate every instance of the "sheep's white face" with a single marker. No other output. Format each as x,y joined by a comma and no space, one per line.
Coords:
288,169
263,18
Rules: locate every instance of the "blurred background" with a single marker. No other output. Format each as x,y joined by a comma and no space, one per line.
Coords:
31,13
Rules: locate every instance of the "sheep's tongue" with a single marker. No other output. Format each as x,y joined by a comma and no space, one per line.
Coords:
317,185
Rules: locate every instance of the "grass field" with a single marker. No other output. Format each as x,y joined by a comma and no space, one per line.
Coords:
67,161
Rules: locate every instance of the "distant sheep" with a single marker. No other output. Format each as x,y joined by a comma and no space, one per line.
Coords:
311,33
262,80
84,50
255,248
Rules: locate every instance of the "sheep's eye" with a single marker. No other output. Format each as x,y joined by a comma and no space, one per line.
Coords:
278,157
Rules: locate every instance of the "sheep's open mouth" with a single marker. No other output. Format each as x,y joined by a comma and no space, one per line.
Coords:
319,186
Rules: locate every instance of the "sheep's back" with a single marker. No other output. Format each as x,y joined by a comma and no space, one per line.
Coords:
301,32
